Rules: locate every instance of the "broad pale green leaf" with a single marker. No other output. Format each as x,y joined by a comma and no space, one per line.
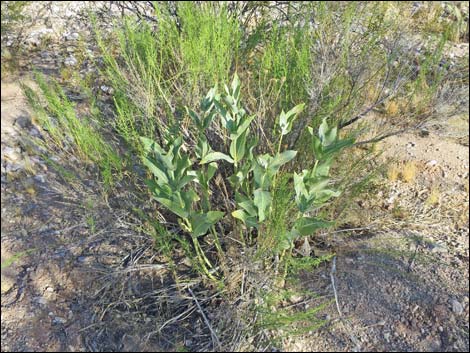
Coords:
324,195
215,156
236,87
323,168
281,159
173,205
214,216
245,218
201,223
260,177
299,184
322,130
308,225
287,239
287,119
211,169
317,147
195,117
295,111
249,207
189,197
207,102
184,180
159,173
330,136
283,123
202,148
238,148
317,184
262,200
244,125
150,145
241,215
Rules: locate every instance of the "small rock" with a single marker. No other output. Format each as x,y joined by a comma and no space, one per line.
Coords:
432,163
23,121
457,308
439,248
40,177
70,61
45,55
34,132
294,299
72,36
424,133
107,89
411,144
40,300
50,289
59,320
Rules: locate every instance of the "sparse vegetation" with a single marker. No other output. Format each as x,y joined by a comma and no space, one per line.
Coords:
245,132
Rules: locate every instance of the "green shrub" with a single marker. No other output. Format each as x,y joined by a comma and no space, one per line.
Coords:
78,137
182,180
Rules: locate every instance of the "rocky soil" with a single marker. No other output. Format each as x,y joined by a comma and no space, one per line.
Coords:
401,282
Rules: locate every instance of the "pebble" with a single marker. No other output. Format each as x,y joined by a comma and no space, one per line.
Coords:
34,132
294,299
457,308
70,61
40,300
40,177
45,54
432,163
439,248
72,36
59,320
107,89
23,121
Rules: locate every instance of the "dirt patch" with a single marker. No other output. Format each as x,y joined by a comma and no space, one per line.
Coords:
80,277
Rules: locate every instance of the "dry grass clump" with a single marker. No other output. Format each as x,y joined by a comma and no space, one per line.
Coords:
393,172
434,196
406,172
409,171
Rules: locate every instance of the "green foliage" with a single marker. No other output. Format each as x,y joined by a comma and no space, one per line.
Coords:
149,69
77,136
8,262
272,314
181,180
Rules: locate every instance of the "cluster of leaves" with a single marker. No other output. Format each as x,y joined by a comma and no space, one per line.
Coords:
253,177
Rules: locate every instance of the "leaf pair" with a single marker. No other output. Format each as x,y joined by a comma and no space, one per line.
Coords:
327,144
287,119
